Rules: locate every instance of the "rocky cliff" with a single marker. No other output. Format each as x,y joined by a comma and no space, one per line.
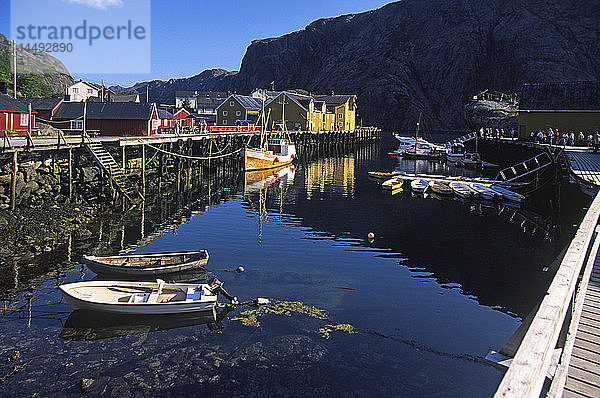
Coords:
39,74
426,56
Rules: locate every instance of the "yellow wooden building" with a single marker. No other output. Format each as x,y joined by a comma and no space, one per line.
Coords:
343,110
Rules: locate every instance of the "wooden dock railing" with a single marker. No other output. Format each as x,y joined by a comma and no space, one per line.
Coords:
533,361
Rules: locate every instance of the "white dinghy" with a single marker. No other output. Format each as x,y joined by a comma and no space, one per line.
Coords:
485,192
419,185
150,298
508,194
462,189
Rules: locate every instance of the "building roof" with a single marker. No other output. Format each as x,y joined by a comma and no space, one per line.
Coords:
584,95
106,110
39,103
334,99
8,103
125,98
247,102
164,114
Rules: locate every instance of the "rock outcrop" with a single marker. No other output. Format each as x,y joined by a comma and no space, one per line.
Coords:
51,71
426,56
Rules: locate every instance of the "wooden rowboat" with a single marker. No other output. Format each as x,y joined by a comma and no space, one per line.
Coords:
147,264
419,185
149,298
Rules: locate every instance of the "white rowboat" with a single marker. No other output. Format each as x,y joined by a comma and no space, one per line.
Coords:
508,194
462,189
150,298
419,185
485,192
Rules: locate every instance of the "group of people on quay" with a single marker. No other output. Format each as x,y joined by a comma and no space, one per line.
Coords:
555,137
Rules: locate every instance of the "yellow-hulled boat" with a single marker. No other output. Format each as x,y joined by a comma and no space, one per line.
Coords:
441,188
278,153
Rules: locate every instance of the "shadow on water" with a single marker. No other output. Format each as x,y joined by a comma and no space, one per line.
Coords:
84,325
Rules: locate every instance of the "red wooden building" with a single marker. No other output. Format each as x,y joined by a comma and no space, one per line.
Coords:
45,108
185,119
167,119
108,118
14,116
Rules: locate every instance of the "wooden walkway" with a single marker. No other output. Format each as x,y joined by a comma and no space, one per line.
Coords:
583,374
584,164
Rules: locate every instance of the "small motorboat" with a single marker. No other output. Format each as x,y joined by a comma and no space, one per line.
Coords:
147,264
441,188
419,185
462,189
148,298
470,161
485,192
508,194
455,153
393,184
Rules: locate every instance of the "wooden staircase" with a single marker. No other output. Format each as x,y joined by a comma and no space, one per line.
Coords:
112,168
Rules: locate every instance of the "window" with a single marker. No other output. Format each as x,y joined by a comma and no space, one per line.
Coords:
225,113
90,91
340,115
238,113
76,124
225,122
24,119
231,103
74,90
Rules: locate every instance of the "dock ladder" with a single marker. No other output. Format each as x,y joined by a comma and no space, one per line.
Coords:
112,168
525,168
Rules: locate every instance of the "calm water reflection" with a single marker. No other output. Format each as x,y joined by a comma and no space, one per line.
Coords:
410,314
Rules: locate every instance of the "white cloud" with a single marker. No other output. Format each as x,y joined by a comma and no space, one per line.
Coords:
99,4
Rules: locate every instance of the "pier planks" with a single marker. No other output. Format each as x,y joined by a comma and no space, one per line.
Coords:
583,375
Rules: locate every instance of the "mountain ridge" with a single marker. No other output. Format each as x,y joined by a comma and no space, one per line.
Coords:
419,56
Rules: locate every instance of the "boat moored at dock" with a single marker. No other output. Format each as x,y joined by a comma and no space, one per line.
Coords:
485,192
147,264
419,185
150,298
279,152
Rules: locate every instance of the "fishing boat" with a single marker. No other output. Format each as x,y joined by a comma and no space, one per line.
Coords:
508,194
455,153
393,183
485,191
147,264
148,298
462,189
470,161
278,152
419,185
440,188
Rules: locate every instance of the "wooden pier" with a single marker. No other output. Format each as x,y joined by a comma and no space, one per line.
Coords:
183,150
558,352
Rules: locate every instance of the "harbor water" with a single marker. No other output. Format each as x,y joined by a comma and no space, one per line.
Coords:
409,313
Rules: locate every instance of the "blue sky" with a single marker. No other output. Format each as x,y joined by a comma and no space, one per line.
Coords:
188,37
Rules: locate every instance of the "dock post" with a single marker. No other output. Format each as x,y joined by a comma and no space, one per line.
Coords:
143,171
13,191
123,158
70,173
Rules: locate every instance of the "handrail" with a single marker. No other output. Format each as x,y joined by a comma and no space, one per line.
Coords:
527,373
